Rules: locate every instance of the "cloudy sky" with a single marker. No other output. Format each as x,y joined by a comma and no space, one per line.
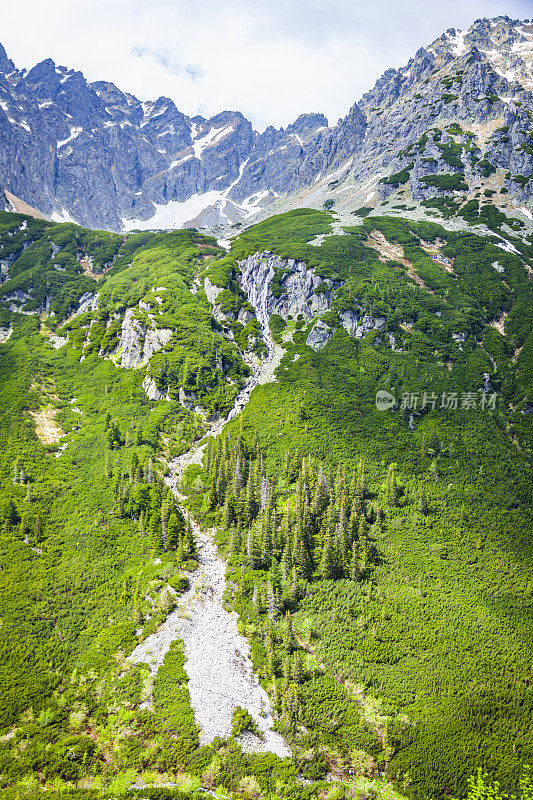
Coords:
270,59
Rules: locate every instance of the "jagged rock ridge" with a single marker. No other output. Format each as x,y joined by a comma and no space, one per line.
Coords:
99,156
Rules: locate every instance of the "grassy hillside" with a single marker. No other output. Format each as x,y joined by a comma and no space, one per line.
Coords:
438,624
398,542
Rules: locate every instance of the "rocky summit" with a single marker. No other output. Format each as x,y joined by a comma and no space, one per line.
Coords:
455,119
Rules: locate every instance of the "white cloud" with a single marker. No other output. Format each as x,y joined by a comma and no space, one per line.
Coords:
271,60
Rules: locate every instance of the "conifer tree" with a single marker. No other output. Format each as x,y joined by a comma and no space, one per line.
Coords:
289,639
354,563
286,560
253,553
165,515
300,556
248,507
270,656
154,532
320,499
297,670
291,705
328,566
149,473
227,513
272,601
265,486
237,479
422,503
175,530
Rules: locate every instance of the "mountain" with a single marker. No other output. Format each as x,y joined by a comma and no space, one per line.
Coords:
266,500
97,155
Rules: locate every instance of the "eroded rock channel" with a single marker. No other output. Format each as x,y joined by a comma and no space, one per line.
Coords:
217,656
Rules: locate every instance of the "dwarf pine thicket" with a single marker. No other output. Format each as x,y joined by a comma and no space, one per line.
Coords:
380,563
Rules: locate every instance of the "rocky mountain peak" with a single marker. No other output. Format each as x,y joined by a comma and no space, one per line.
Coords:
6,65
96,154
306,123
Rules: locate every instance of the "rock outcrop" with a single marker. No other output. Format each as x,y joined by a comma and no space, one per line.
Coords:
138,343
298,289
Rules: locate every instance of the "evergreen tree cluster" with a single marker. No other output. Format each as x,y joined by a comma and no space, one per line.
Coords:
143,496
323,530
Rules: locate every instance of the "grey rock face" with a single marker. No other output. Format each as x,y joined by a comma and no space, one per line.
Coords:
138,343
96,154
319,336
298,285
212,292
152,392
298,296
368,324
130,341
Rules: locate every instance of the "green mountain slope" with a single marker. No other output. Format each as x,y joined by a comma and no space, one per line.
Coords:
398,540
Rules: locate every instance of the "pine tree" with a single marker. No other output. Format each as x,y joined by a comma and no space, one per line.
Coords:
270,656
320,499
339,481
272,601
422,503
253,553
154,532
297,670
286,561
149,473
237,479
295,588
291,705
227,513
165,515
328,566
175,530
264,492
289,639
248,507
354,563
300,556
266,543
363,558
342,548
235,542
